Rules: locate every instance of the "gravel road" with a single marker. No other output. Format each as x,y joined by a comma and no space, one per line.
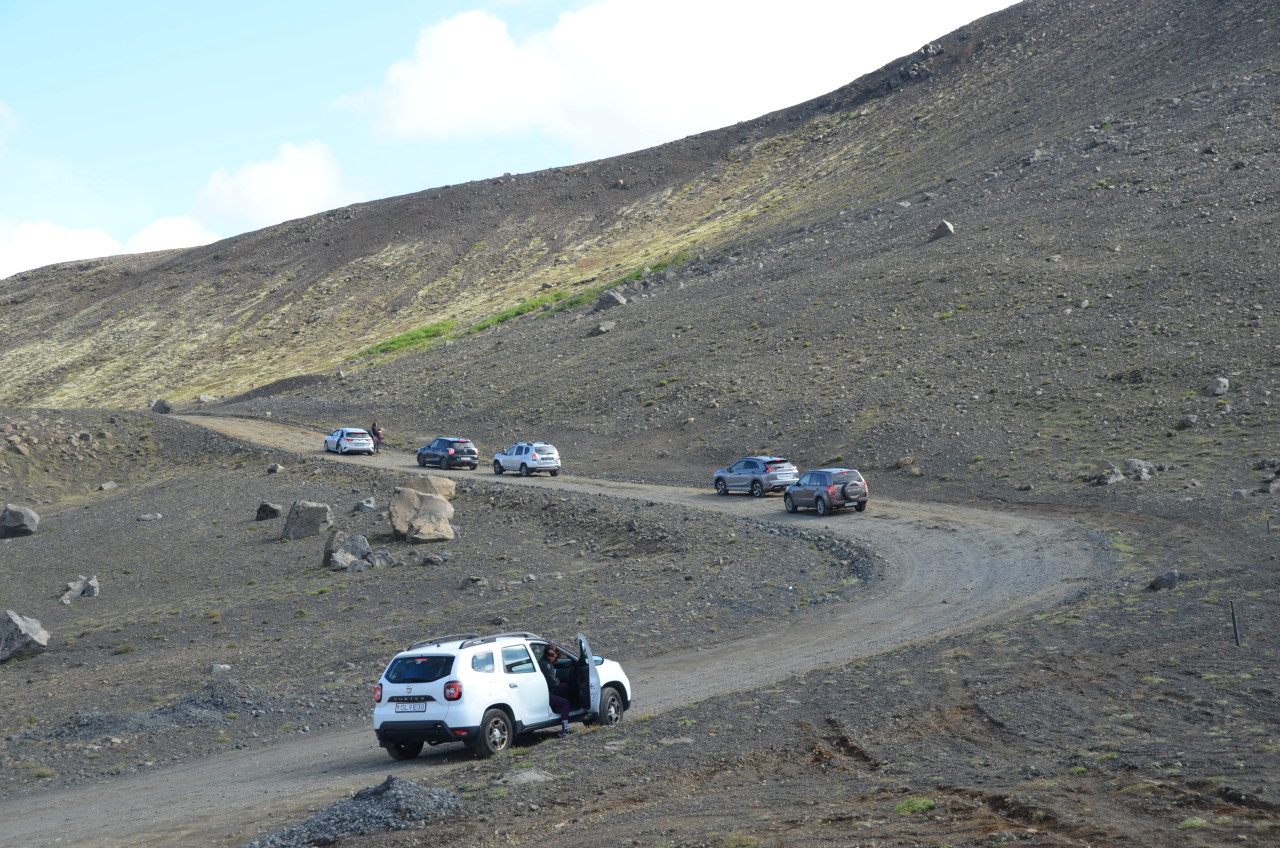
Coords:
946,568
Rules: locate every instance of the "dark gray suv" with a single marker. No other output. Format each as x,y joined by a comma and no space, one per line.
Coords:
826,490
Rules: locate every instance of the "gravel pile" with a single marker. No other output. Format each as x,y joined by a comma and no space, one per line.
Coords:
395,804
209,706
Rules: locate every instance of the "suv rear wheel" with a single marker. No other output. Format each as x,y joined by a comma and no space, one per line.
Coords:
757,489
861,506
495,733
820,504
404,750
524,470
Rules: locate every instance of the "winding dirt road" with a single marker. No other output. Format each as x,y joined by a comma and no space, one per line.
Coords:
947,568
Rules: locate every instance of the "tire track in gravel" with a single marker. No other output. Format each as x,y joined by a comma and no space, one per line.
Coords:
946,568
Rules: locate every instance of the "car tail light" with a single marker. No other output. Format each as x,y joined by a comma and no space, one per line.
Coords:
377,694
534,457
450,451
452,690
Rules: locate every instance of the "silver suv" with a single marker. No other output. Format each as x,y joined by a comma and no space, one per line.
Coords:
826,490
757,475
528,457
483,690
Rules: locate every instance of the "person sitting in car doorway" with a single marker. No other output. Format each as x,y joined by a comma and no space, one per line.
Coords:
558,689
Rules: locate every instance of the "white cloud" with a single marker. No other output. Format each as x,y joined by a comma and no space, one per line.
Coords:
620,75
301,180
29,245
167,233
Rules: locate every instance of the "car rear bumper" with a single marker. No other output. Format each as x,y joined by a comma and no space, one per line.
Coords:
432,731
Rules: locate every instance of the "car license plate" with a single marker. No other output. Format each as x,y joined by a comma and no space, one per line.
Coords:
411,708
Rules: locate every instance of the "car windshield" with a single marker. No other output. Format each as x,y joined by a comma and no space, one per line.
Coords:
418,669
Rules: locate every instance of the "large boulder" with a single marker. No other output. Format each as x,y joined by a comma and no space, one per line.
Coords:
421,516
307,518
442,486
21,636
18,521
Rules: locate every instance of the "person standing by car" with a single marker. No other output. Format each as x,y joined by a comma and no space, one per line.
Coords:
559,690
376,432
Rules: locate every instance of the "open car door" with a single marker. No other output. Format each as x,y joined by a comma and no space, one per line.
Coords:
588,677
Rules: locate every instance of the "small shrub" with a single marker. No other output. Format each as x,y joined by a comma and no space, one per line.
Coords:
914,805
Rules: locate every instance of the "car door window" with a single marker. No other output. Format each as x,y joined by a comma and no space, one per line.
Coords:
483,662
807,479
516,660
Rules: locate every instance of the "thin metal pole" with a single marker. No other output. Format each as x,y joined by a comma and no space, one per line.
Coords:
1235,626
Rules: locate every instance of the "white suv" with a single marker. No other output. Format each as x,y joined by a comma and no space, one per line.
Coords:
528,457
483,690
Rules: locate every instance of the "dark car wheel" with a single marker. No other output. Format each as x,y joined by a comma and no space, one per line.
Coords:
497,467
445,463
404,750
821,506
788,503
861,506
422,463
495,733
555,472
722,488
524,470
757,489
474,466
610,707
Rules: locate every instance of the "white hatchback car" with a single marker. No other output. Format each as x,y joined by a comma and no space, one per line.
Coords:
528,457
483,690
349,440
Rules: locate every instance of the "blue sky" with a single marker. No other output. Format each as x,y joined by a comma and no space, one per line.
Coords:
137,125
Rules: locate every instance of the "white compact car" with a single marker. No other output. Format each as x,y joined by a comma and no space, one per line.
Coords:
349,440
528,457
483,690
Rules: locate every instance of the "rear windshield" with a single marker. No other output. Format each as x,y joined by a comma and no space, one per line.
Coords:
544,448
357,433
778,464
462,443
847,476
418,669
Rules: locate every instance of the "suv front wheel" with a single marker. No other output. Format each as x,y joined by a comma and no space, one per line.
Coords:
495,733
788,503
722,488
497,467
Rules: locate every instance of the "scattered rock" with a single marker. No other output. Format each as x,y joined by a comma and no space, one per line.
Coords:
602,328
267,511
108,486
367,505
161,407
218,668
943,230
340,541
82,587
275,468
21,636
307,518
150,516
1217,386
1168,580
609,299
18,521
